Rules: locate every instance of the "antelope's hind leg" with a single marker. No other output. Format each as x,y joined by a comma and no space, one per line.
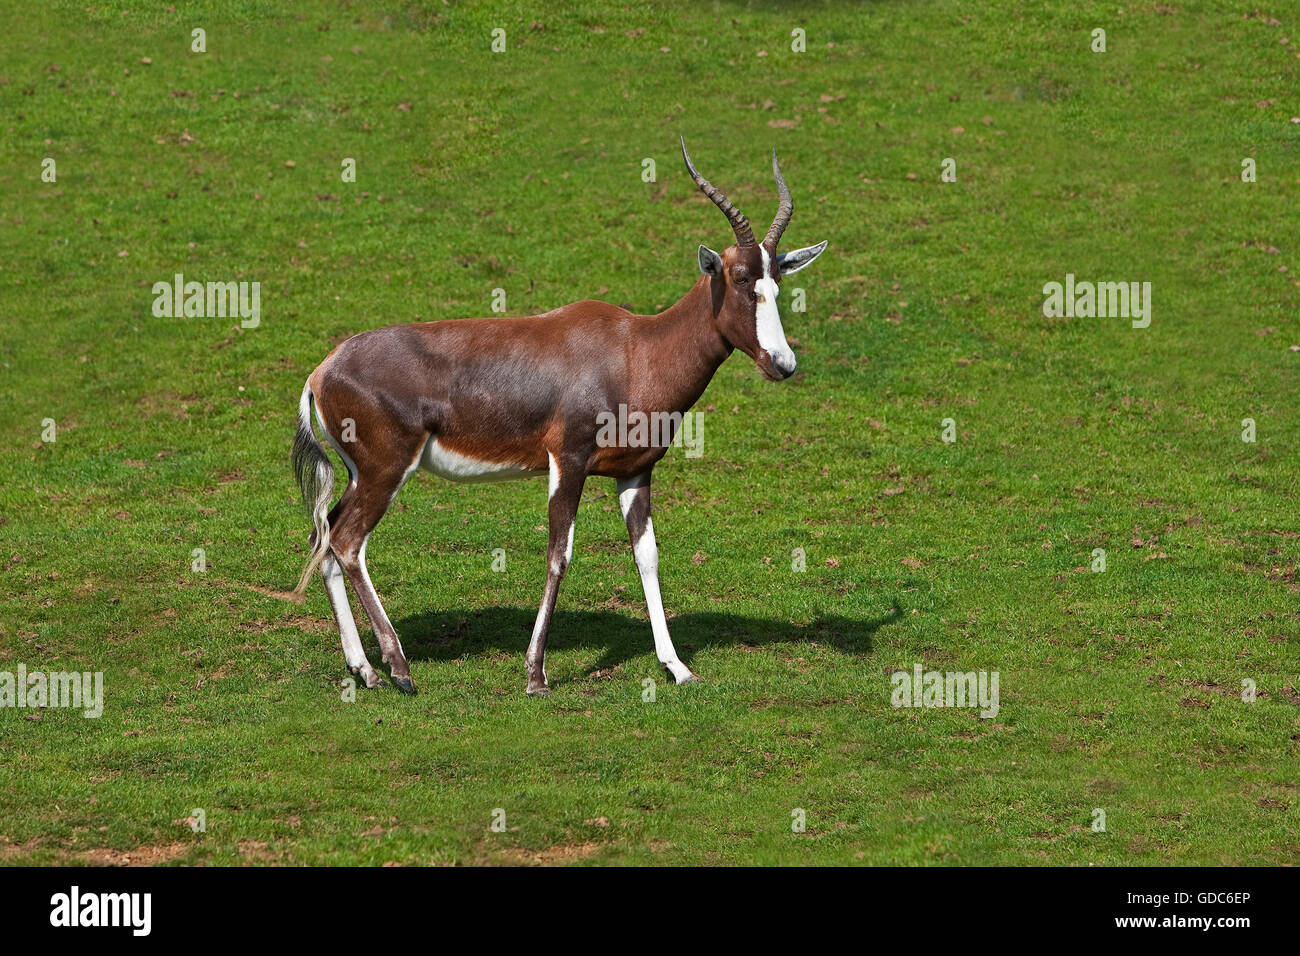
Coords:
353,652
348,536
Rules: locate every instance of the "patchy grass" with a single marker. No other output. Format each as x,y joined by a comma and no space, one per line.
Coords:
1119,691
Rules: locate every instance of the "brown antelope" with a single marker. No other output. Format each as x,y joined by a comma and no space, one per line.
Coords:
494,398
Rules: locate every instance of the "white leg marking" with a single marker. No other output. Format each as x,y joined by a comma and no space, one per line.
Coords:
532,643
646,552
555,476
353,652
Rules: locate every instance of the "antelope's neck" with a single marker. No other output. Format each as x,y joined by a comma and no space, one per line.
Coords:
689,347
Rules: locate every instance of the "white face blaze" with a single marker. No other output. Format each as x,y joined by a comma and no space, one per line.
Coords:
771,337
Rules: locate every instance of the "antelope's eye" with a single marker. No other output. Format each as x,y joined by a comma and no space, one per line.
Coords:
743,280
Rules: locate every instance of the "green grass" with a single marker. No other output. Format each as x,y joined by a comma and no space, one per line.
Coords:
1119,690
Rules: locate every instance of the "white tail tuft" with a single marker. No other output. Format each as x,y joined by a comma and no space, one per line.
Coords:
315,477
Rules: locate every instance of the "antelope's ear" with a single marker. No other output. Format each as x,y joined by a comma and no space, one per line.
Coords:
710,262
789,262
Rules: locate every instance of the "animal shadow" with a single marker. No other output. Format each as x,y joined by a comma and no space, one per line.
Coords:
619,637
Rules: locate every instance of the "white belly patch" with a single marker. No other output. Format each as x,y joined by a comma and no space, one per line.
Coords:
454,466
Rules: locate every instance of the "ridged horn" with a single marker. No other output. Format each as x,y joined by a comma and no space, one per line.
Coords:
784,209
739,224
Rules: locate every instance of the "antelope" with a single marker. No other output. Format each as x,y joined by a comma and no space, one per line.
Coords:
496,398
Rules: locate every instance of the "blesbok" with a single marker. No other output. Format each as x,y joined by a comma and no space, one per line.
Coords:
492,398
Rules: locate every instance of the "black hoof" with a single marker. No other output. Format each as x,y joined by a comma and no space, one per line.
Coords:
404,684
539,692
692,679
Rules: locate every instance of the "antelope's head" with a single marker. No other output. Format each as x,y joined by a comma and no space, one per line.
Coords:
746,278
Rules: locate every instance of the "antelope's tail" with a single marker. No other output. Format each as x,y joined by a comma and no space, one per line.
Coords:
315,477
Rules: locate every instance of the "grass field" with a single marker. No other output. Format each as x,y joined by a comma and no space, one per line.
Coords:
1120,691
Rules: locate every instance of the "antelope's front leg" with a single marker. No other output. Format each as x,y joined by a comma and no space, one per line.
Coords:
634,499
565,493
